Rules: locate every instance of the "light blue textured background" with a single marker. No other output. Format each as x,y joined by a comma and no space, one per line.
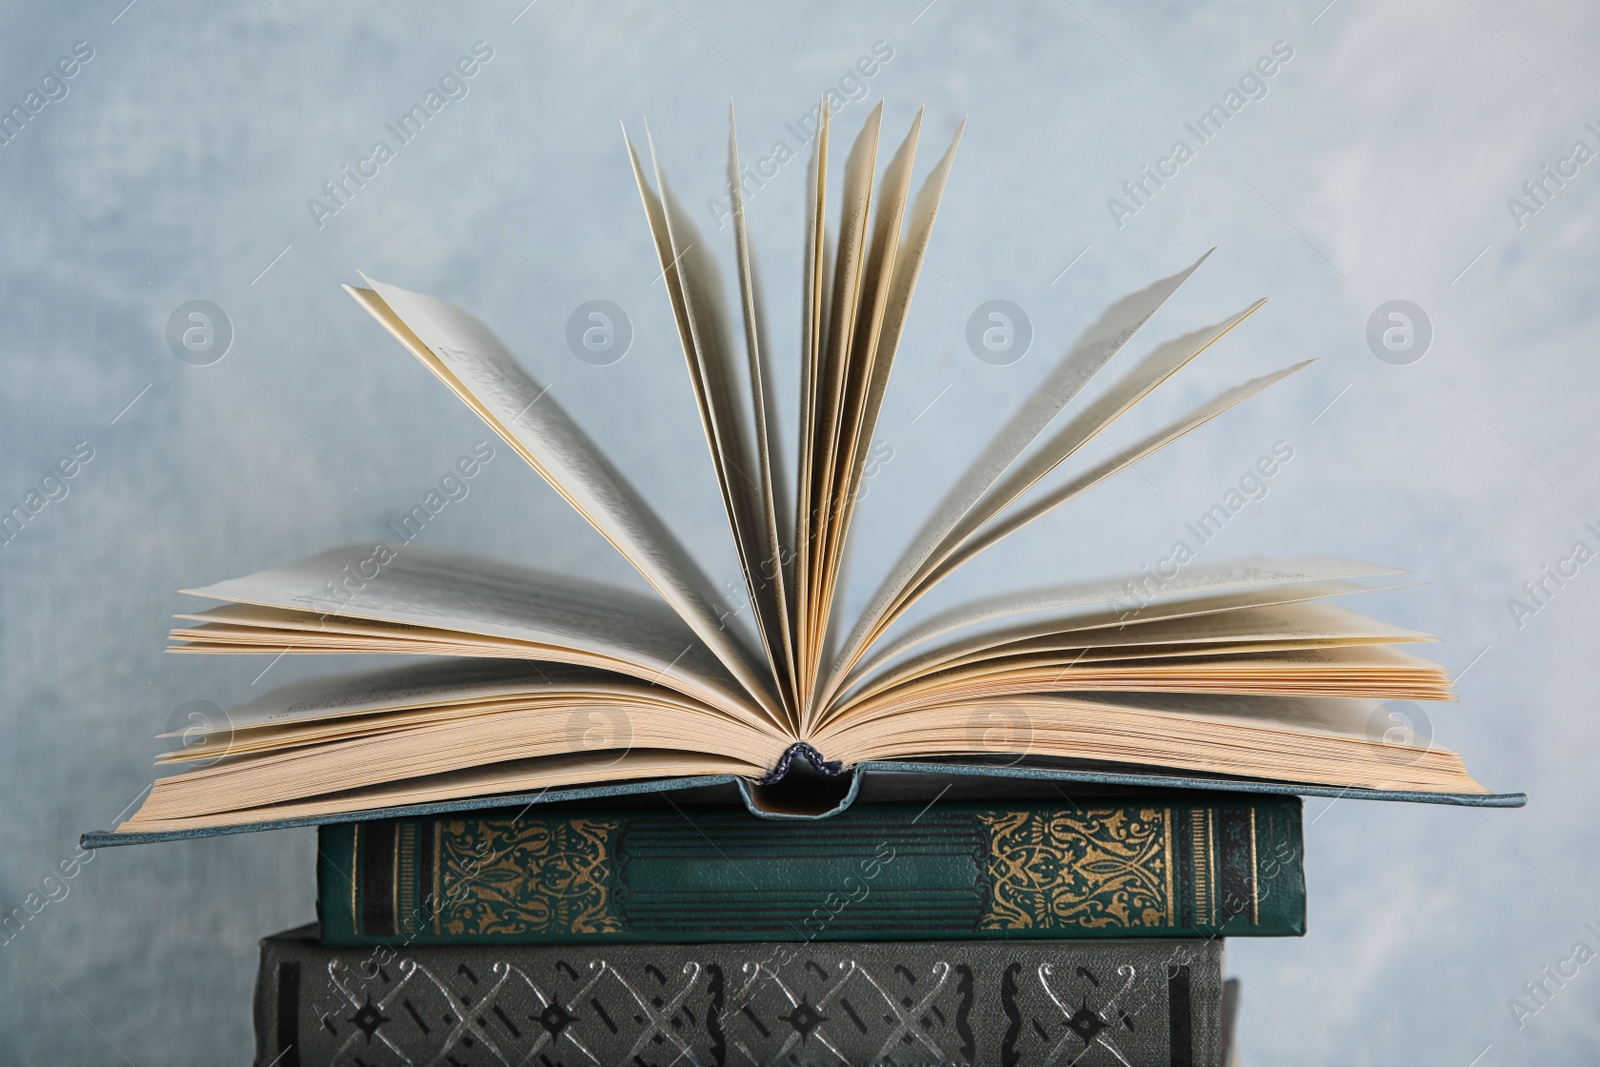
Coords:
1377,167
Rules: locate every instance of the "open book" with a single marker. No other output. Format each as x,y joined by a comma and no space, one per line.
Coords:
1241,672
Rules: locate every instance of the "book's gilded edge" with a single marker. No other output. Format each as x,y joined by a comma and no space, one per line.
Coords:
105,838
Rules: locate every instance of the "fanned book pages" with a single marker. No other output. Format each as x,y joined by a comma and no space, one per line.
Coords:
1245,674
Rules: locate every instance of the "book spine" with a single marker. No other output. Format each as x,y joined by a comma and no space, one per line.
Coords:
879,872
1157,1003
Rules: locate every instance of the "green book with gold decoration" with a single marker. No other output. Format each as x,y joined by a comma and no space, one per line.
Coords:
1156,865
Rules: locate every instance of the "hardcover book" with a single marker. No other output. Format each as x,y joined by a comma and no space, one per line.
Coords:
1243,671
1230,1024
1152,1003
1158,866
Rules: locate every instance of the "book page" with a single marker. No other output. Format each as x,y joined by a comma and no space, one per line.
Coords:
772,570
431,682
1379,672
368,703
1275,737
470,359
1256,616
1303,621
254,618
866,363
1278,629
1157,367
1161,364
843,297
897,288
1125,458
697,308
1270,664
440,588
813,339
1098,344
511,777
346,705
1332,715
703,330
577,713
1132,595
460,745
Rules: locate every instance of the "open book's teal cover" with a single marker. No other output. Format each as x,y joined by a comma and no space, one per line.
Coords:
867,774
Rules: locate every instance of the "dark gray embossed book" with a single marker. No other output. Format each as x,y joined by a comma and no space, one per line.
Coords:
1230,1024
1148,1003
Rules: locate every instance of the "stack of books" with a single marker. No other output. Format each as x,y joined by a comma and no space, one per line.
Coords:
597,826
1026,931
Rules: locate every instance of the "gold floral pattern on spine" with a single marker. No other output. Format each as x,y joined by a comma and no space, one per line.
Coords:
522,876
1095,868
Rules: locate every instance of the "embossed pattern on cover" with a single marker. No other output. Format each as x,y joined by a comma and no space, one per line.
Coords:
1152,1003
